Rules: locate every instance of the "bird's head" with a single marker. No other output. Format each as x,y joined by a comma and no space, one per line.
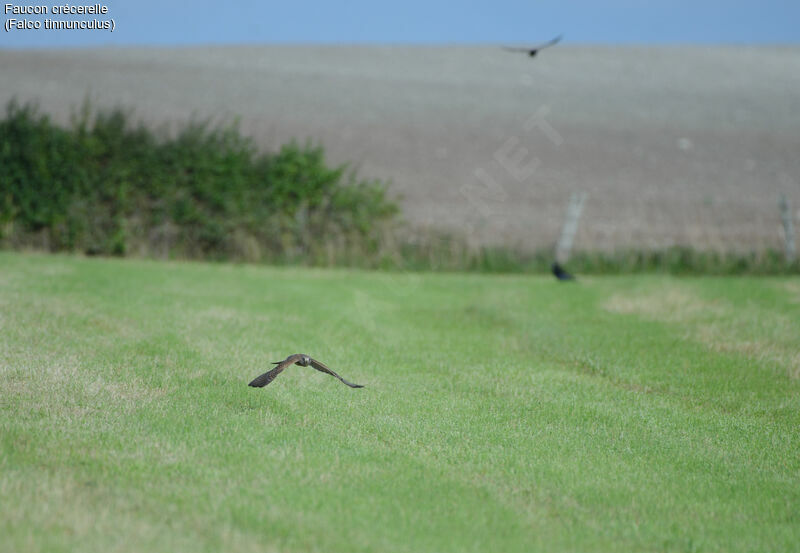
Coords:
305,360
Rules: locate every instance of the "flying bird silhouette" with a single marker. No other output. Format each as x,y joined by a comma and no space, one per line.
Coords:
533,51
560,273
297,359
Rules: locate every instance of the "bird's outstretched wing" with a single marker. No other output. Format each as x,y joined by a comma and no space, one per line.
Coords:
533,49
322,368
549,43
270,375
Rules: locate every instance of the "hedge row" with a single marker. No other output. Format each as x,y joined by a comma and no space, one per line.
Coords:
105,185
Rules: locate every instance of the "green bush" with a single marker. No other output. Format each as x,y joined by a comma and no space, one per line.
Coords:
107,186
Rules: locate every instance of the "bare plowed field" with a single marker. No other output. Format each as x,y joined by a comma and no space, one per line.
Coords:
686,145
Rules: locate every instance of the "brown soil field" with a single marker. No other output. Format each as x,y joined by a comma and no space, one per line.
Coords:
673,145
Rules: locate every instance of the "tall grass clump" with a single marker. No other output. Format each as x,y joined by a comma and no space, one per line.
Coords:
442,252
106,185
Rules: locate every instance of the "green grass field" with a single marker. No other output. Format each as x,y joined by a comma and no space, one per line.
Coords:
501,413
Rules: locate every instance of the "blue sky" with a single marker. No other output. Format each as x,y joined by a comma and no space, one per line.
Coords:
170,22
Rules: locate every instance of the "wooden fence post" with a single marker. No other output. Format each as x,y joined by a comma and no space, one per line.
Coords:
788,229
574,210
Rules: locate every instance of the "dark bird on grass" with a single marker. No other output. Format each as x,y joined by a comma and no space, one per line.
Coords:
535,50
297,359
560,273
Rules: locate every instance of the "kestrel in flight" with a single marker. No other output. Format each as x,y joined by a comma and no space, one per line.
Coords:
297,359
533,51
